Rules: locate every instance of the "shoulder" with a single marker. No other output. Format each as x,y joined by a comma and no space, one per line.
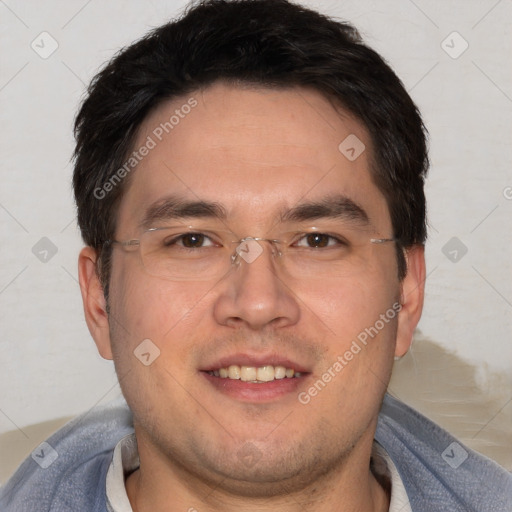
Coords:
440,473
68,471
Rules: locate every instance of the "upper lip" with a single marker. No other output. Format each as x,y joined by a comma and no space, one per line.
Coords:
255,360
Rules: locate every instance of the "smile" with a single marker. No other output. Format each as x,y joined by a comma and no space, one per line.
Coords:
253,374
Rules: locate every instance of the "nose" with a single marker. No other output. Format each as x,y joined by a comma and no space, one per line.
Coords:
253,294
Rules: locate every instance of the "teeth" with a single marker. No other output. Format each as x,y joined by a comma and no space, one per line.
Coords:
279,372
265,373
257,375
234,372
248,373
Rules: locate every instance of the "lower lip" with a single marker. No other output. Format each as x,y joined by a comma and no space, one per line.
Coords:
251,392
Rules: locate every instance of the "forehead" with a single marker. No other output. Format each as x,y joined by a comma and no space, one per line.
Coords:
254,151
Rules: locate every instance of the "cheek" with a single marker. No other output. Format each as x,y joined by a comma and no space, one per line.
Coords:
153,326
362,326
350,306
170,315
150,307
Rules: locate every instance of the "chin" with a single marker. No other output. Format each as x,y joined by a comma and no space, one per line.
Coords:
264,470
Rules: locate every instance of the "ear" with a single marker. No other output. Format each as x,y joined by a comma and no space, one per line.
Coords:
412,295
95,306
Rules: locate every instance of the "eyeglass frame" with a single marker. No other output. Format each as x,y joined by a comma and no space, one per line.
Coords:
235,257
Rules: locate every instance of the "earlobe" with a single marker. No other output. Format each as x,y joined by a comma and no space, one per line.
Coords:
412,295
93,298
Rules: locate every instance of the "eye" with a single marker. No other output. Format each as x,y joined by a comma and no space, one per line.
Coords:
190,241
318,241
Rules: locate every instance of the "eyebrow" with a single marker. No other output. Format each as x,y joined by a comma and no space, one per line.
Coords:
177,208
334,207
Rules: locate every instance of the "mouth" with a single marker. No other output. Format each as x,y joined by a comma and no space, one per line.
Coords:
255,375
256,379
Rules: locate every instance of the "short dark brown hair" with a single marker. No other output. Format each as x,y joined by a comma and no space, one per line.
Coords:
273,43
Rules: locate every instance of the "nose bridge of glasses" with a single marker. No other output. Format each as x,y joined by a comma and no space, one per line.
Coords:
250,248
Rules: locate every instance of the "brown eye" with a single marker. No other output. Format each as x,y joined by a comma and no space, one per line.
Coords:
193,240
317,240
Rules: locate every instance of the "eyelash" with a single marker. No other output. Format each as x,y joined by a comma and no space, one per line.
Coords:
336,238
300,237
177,238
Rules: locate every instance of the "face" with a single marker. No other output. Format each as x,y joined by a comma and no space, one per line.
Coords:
257,163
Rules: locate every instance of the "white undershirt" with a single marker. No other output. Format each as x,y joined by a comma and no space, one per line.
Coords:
126,460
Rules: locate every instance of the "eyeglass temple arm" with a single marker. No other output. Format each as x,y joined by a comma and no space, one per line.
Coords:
382,240
123,243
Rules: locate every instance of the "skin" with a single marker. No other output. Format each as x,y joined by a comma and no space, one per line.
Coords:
254,151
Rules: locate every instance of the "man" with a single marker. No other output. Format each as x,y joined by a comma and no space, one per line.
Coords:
249,183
